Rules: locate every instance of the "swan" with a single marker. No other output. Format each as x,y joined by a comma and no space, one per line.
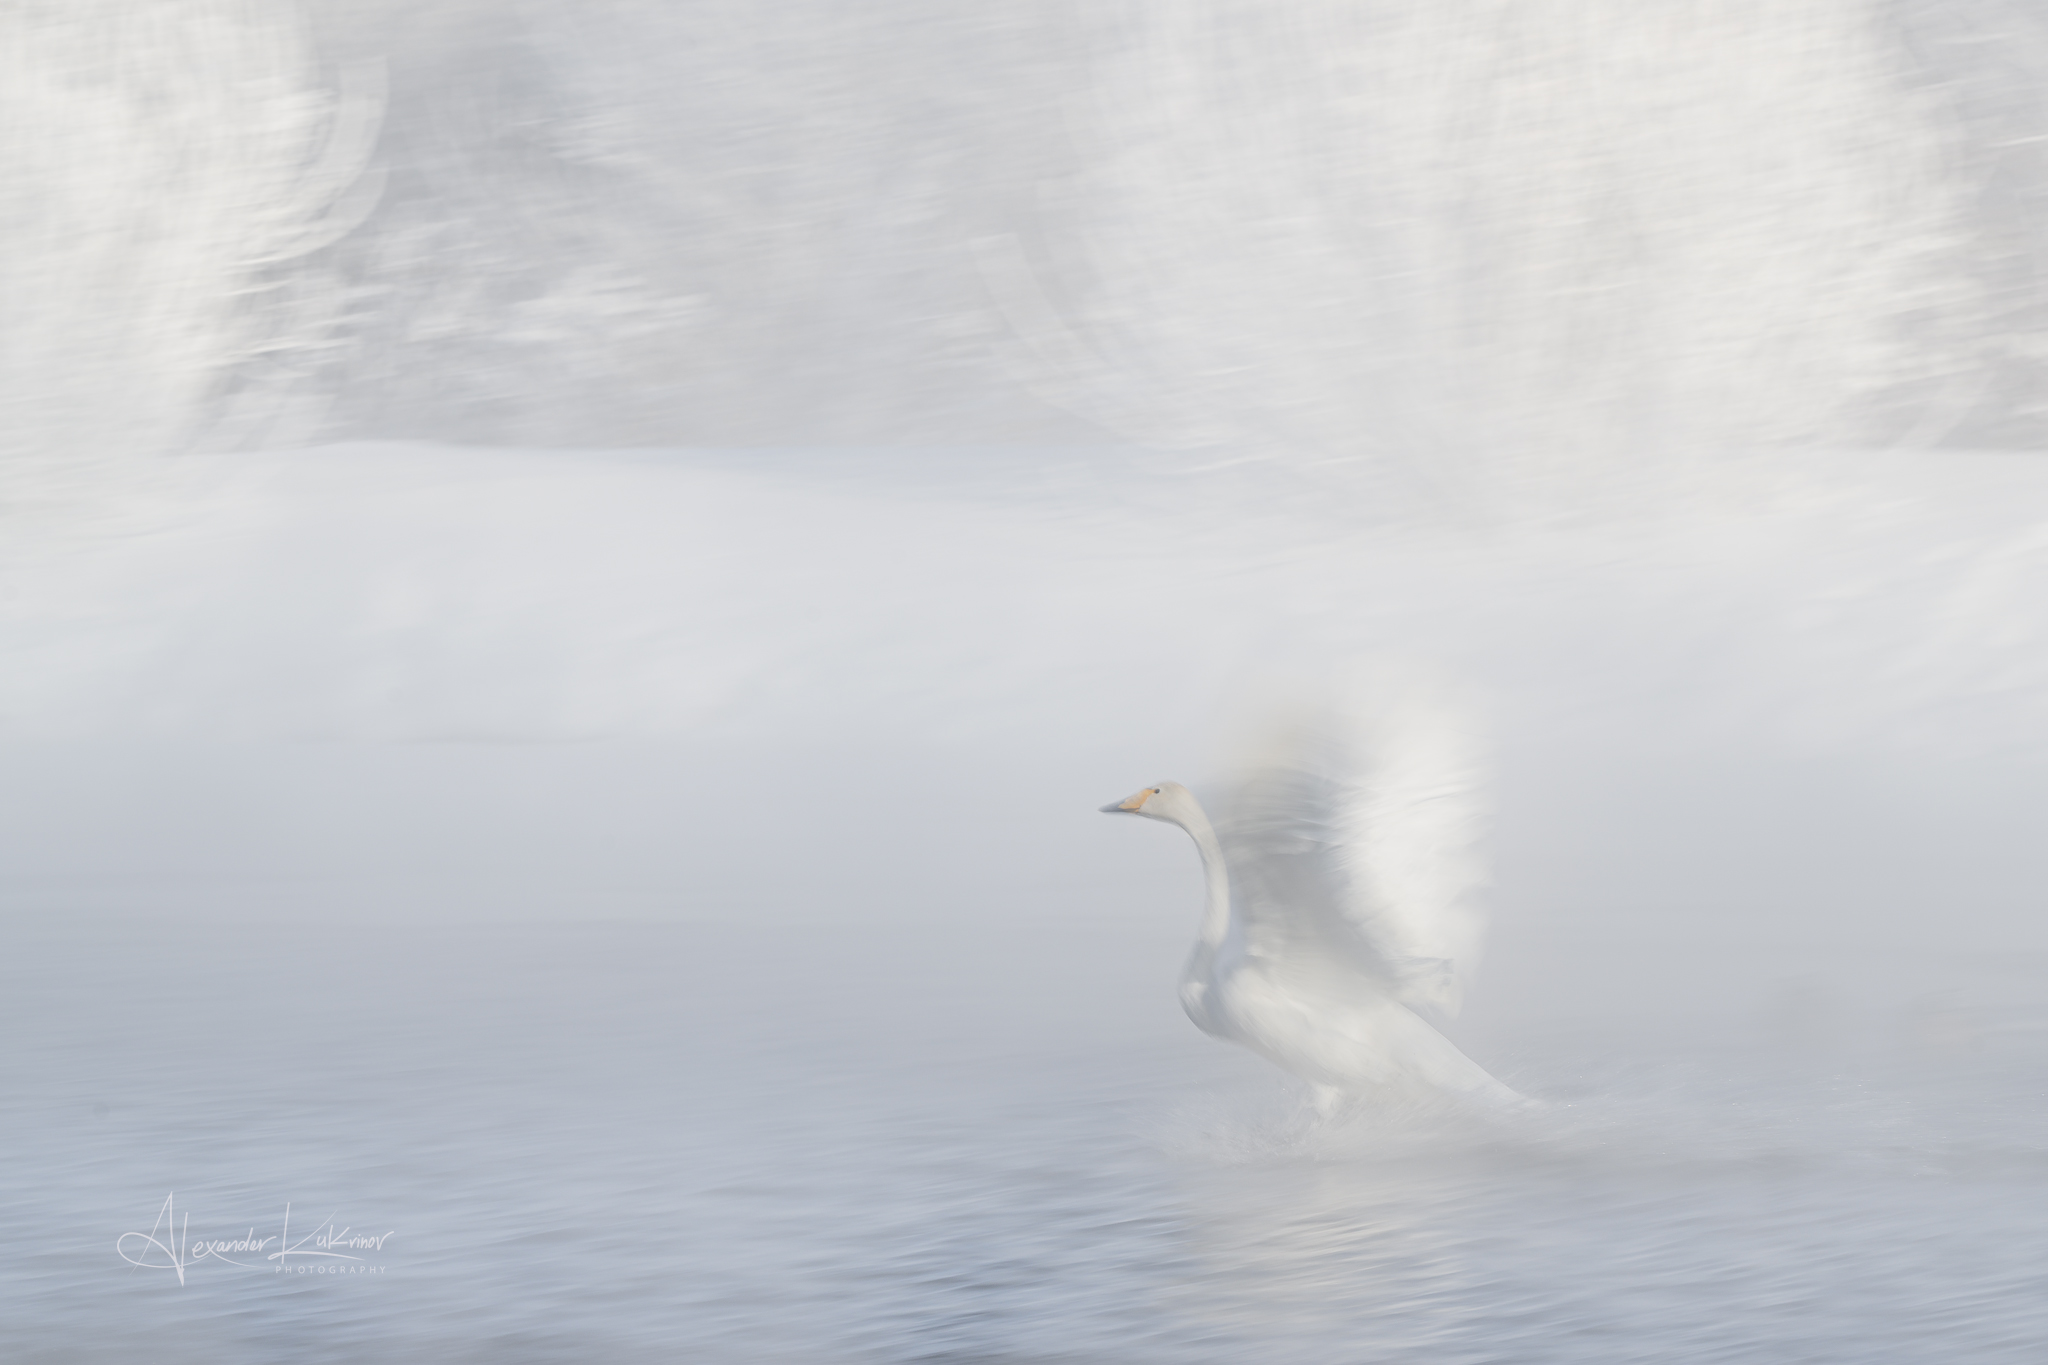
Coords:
1335,907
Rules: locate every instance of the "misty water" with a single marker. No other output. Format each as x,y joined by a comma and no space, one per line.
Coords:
573,579
827,1019
727,1142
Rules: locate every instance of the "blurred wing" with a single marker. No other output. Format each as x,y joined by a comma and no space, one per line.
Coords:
1356,837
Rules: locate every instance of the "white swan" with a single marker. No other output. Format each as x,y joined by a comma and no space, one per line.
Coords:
1335,903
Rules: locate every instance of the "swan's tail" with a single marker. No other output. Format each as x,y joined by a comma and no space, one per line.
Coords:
1437,1062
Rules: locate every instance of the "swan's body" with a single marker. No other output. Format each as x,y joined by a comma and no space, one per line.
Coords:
1335,904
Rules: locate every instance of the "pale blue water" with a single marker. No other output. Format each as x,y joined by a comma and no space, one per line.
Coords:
718,1143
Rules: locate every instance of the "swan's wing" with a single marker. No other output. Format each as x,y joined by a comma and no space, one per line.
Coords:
1356,838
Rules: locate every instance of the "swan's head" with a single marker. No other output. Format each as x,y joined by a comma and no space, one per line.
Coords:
1168,801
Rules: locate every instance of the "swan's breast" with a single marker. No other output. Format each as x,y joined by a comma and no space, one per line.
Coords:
1199,998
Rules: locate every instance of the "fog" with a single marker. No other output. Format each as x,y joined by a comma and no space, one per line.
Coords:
628,544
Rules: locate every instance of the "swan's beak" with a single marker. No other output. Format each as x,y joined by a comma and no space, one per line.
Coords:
1131,804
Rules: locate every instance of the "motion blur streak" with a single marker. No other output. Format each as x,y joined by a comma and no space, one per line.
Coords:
572,577
1581,233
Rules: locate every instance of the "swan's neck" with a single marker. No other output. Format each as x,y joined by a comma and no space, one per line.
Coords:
1216,913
